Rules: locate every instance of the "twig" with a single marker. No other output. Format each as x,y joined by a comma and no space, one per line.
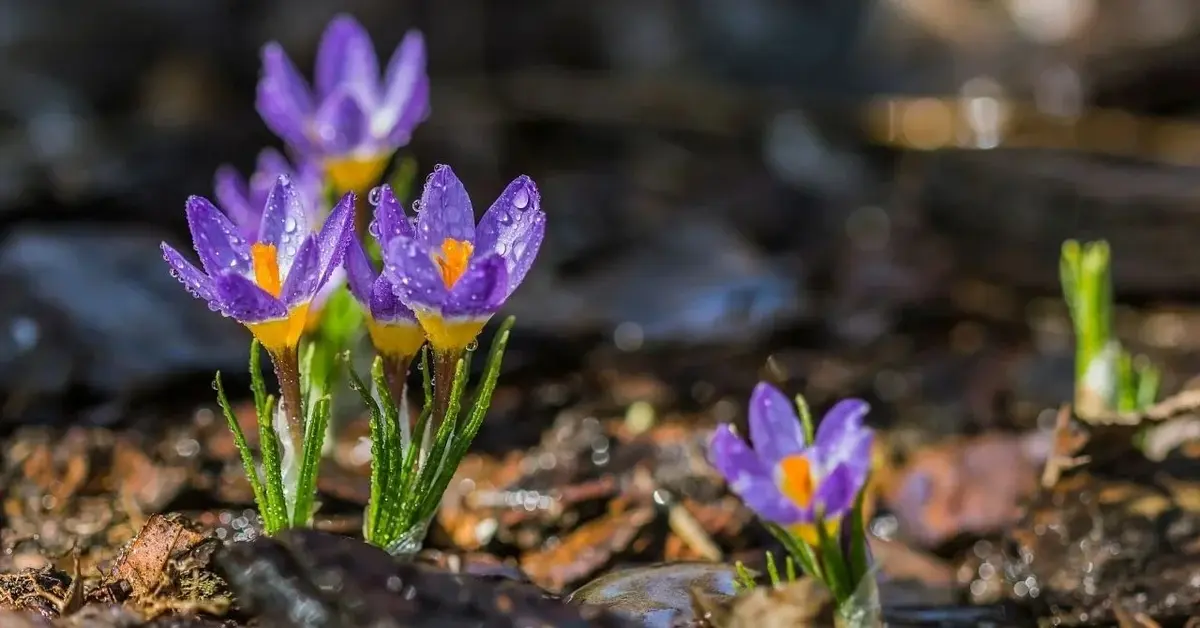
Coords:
1179,404
1068,440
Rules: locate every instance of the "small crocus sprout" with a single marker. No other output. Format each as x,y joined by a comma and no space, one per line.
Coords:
350,121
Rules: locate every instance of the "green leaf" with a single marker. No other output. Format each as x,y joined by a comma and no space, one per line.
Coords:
315,429
798,549
859,563
239,439
426,483
743,580
837,578
772,572
1149,379
371,528
268,443
805,419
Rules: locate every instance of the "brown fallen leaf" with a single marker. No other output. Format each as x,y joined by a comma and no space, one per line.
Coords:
141,566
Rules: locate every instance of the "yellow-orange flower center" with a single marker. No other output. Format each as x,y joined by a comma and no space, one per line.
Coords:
452,260
265,259
796,480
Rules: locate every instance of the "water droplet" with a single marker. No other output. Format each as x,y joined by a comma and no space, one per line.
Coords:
290,250
374,195
473,345
501,248
504,218
289,225
521,199
373,228
233,263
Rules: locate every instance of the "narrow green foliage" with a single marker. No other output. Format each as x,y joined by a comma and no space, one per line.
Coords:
239,439
314,384
410,474
805,418
859,561
772,571
837,577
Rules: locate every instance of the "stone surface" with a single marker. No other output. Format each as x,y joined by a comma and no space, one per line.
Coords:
658,595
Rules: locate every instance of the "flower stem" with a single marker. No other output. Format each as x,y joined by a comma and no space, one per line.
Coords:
444,365
287,371
395,370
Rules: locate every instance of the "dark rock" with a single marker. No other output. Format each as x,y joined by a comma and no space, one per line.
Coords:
98,310
312,579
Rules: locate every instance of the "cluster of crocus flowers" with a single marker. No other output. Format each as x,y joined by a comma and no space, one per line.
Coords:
785,479
266,280
350,122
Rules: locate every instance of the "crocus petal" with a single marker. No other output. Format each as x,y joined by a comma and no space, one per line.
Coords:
233,195
272,163
192,278
413,274
304,277
837,491
359,274
385,306
775,428
446,210
284,221
390,219
513,228
840,435
346,57
340,124
335,235
220,247
480,291
749,479
405,101
244,301
283,99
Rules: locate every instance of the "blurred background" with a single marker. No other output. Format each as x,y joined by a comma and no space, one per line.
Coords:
866,196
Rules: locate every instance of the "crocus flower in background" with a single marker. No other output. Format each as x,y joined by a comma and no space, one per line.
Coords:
266,282
455,275
243,200
350,122
787,481
392,326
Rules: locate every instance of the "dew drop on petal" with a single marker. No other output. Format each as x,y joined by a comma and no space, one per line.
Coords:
505,218
501,248
473,345
416,206
289,225
373,228
521,199
373,195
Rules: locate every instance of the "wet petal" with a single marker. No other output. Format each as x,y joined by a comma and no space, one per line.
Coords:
385,306
775,428
346,57
446,210
359,274
244,301
480,291
233,197
414,275
390,217
837,491
340,125
749,479
841,433
221,247
192,278
335,235
405,102
283,99
284,221
304,277
513,228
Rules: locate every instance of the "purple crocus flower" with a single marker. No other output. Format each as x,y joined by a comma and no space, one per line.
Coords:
393,327
266,282
790,482
350,122
243,201
456,275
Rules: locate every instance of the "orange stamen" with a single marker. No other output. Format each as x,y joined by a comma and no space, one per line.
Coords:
266,267
796,480
453,259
